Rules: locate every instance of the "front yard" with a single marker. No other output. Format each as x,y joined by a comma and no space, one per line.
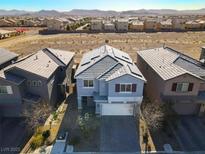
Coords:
87,140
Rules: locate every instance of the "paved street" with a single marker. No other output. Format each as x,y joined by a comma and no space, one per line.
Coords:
119,134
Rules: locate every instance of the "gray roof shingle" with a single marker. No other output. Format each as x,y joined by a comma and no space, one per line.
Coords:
169,63
6,56
44,62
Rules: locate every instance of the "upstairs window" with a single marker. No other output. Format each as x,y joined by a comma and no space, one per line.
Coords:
88,83
6,90
125,87
34,83
182,87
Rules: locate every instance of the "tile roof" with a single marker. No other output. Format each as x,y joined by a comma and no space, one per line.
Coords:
169,63
6,56
44,62
104,63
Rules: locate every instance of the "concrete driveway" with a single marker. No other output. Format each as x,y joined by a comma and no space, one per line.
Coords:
119,134
13,135
190,133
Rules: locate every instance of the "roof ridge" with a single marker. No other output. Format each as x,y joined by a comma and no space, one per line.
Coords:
45,50
181,54
108,70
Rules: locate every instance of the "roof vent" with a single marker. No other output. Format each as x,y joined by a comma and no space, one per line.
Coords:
36,57
47,65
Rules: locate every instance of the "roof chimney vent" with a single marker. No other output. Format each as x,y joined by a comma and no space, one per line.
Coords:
36,57
202,56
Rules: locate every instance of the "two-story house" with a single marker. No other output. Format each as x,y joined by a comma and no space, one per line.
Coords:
42,76
173,77
108,80
7,58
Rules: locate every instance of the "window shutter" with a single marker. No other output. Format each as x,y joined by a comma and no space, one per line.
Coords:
117,88
134,87
174,86
191,85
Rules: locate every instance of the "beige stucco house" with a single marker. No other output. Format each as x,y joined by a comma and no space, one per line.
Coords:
178,24
166,25
58,24
109,26
191,25
96,25
174,77
151,25
122,25
137,25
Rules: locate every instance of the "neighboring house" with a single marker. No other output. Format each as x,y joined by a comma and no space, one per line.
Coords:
202,24
166,25
96,25
192,25
43,76
12,21
151,25
5,23
178,24
108,80
174,77
137,25
122,25
7,58
58,23
108,26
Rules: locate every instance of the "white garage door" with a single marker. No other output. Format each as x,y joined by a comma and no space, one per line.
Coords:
117,109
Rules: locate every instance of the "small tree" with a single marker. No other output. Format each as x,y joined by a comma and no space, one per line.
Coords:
36,114
153,114
87,124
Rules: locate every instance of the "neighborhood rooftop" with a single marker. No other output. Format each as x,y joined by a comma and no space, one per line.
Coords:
6,56
169,63
44,62
109,63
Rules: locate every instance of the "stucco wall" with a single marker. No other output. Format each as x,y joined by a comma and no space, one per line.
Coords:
155,84
126,79
183,78
10,103
84,91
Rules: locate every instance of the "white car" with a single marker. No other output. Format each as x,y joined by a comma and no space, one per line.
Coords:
60,144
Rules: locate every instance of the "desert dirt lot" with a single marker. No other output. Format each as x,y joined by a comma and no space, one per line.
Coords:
187,42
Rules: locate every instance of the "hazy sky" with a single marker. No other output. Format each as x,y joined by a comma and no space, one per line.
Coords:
118,5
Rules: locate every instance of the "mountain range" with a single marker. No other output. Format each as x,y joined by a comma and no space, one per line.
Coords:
101,13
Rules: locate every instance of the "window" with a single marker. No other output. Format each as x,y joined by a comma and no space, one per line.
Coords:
182,87
34,83
125,87
6,90
88,83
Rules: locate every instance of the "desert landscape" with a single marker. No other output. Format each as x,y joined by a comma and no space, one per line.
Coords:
187,42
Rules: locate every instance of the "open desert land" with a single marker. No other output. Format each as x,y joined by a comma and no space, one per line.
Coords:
187,42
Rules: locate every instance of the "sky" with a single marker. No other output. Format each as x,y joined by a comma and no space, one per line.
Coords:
118,5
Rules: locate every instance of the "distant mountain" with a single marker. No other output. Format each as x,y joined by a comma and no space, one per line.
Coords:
12,12
79,12
101,13
51,13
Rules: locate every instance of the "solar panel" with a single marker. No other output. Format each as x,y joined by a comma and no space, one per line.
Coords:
122,56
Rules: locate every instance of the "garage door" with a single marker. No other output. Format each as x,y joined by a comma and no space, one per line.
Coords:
186,108
117,109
